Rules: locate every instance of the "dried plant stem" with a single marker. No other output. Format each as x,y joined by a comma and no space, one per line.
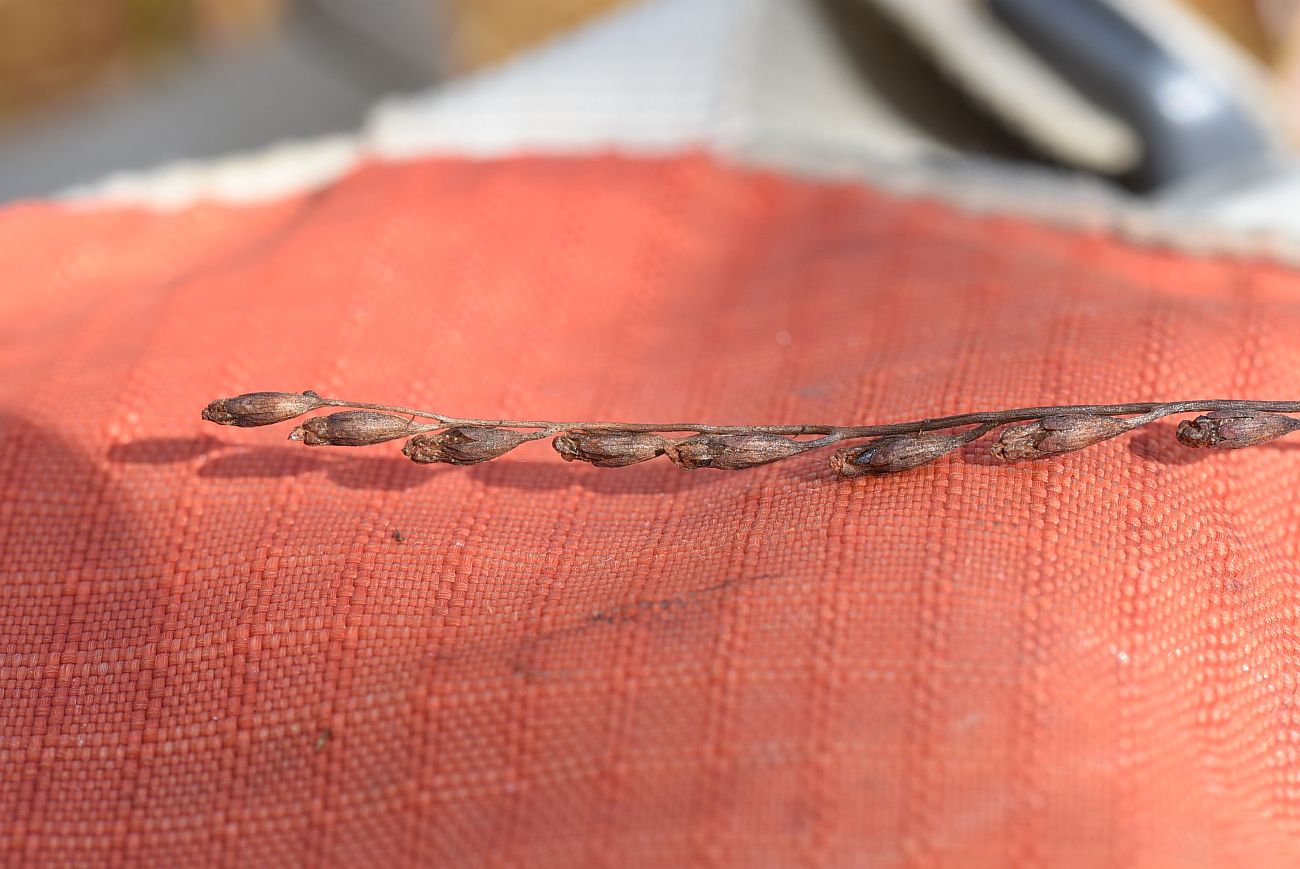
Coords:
1149,411
893,447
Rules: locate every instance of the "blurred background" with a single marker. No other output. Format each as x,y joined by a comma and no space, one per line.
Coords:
89,87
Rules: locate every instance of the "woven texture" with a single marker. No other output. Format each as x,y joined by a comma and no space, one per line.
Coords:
213,648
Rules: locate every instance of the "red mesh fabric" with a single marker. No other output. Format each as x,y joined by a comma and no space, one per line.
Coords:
213,648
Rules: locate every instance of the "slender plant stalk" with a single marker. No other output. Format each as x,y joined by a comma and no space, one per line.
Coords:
897,446
1150,412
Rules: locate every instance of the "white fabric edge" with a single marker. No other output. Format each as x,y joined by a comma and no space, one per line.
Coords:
692,70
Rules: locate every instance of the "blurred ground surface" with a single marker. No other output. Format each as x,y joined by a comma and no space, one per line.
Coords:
91,88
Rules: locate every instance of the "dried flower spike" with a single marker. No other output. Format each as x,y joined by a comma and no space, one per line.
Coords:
897,446
889,455
615,449
1232,430
261,408
732,452
351,428
1059,433
464,445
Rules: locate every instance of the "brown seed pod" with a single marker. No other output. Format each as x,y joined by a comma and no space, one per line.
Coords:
889,455
465,445
351,428
261,408
731,452
1061,433
1232,430
615,449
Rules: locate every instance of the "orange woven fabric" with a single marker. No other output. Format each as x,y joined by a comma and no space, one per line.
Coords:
214,650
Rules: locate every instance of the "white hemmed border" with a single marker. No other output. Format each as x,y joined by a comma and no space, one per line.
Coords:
754,81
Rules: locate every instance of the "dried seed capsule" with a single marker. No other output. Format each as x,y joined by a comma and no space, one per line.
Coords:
261,408
889,455
731,452
466,445
351,428
1232,430
1061,433
615,449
